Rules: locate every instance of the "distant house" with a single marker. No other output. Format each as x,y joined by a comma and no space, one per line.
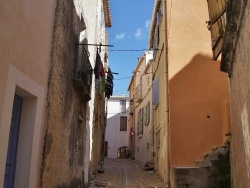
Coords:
140,113
117,132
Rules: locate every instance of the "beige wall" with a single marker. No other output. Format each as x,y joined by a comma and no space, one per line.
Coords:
199,97
25,35
160,112
143,142
131,116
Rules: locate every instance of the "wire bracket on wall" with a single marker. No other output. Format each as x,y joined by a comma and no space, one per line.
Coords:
99,45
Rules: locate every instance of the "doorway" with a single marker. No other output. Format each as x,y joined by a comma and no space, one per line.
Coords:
10,168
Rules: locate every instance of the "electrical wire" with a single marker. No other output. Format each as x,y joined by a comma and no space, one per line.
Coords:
128,50
132,76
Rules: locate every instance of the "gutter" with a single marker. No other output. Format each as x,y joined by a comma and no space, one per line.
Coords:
166,92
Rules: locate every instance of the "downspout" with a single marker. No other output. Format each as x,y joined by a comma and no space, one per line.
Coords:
166,92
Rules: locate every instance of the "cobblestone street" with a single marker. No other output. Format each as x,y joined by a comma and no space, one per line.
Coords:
126,173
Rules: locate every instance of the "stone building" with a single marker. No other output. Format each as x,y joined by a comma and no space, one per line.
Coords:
233,33
50,134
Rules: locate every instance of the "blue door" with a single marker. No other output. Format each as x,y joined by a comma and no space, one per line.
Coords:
10,167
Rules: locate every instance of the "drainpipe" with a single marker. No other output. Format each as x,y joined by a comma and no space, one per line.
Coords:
166,92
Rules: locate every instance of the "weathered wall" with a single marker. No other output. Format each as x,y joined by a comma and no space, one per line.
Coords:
62,164
240,104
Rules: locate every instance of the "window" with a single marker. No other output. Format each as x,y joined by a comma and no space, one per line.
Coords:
140,122
159,14
155,92
123,106
147,113
123,123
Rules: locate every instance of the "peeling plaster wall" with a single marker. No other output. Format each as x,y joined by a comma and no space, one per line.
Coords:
62,163
69,145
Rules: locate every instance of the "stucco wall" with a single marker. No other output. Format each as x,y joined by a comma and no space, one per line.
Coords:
144,142
26,32
199,116
240,104
199,94
160,111
114,136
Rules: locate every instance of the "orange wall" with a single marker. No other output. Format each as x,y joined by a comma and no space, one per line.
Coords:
198,119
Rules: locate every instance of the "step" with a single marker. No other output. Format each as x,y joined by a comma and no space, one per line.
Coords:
191,177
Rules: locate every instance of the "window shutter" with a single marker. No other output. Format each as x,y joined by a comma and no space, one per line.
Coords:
155,92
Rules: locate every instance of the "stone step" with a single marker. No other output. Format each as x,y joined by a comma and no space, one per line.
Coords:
208,158
191,177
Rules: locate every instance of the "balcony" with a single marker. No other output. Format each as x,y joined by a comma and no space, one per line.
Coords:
138,94
83,75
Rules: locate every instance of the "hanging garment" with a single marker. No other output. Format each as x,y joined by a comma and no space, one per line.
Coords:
109,84
101,69
102,74
105,57
97,66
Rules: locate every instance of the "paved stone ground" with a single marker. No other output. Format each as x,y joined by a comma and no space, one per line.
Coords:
125,173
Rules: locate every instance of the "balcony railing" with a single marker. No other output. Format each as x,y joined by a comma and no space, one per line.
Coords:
83,75
138,94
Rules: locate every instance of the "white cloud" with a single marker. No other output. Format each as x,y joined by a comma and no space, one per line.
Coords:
120,36
138,33
147,23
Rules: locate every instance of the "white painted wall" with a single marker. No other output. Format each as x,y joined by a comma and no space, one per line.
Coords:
114,136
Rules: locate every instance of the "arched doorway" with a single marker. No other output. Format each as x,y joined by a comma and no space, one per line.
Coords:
123,152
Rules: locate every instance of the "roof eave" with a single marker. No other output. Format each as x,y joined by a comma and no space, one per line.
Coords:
107,16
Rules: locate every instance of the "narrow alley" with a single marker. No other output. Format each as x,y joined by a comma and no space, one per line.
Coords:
125,94
125,173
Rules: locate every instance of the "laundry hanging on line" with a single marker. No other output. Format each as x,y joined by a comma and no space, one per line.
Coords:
109,84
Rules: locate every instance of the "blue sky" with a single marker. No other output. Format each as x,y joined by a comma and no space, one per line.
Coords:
130,31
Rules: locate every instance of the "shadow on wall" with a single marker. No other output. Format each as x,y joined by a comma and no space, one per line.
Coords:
199,116
116,134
